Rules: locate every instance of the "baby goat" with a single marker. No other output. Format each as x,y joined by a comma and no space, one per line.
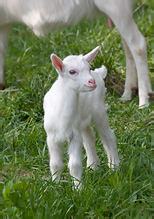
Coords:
69,110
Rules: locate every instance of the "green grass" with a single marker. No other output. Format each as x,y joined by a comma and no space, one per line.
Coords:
27,189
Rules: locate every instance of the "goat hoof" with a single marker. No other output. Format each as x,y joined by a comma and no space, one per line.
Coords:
125,98
151,96
2,86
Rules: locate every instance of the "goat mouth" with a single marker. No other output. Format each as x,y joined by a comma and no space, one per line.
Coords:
91,86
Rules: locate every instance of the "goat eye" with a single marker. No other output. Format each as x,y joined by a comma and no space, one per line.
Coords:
72,72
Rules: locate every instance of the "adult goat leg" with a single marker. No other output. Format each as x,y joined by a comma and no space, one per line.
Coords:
4,37
131,86
137,45
121,15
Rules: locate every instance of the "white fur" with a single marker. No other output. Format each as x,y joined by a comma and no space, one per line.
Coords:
70,106
45,15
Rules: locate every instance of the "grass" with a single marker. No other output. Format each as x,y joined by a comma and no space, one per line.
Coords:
27,189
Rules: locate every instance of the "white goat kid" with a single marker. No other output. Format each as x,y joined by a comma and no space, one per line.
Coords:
44,15
69,107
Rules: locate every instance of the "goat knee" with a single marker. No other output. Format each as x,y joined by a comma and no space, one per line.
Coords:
140,48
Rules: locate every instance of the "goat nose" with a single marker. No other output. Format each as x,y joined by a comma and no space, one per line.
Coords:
92,82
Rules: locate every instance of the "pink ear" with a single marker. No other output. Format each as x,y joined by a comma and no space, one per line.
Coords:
57,62
91,55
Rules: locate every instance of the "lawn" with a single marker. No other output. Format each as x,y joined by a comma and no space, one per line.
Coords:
25,181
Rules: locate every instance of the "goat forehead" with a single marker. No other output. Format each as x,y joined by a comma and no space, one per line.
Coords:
74,61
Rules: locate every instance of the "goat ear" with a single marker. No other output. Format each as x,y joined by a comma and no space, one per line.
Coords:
91,55
57,62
